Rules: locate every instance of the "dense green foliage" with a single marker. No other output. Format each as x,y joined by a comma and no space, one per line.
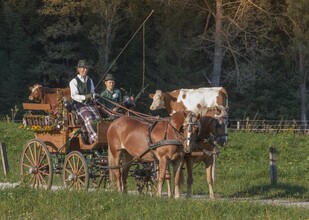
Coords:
242,179
264,49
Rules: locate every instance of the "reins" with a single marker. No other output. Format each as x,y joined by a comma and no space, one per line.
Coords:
140,115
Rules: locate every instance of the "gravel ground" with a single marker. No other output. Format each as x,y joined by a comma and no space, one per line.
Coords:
265,201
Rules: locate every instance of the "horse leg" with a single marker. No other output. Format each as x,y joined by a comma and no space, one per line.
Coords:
213,173
177,181
189,162
126,158
113,161
208,166
168,181
161,177
117,174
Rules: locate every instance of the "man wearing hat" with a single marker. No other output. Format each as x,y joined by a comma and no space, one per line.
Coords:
110,93
82,92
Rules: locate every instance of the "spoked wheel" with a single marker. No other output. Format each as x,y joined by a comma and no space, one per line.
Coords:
99,175
146,178
36,165
75,171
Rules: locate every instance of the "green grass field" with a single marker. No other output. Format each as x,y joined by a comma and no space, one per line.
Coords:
242,178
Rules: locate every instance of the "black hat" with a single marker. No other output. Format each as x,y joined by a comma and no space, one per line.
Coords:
83,63
109,77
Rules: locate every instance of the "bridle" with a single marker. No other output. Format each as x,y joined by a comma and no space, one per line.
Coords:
214,136
188,125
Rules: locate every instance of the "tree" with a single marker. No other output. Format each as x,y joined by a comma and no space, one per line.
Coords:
104,19
61,41
16,52
298,55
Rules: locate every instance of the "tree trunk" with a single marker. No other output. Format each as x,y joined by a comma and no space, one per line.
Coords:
303,89
216,74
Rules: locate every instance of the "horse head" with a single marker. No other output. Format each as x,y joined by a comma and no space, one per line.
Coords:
191,130
214,125
222,126
36,93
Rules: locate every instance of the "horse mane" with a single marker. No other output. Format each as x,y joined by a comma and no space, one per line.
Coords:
178,119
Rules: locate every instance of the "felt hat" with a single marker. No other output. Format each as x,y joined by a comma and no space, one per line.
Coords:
109,76
83,63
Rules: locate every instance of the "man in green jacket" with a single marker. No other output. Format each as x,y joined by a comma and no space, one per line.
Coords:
110,93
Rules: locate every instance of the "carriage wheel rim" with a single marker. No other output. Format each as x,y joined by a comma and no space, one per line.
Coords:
75,172
36,165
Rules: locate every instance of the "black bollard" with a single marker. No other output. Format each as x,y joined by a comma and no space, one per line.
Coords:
273,165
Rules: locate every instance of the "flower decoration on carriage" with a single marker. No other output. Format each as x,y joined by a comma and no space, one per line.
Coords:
39,123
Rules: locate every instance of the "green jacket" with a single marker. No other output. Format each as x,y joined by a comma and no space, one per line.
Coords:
115,96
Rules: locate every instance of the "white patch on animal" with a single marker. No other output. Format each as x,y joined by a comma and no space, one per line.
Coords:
35,87
204,97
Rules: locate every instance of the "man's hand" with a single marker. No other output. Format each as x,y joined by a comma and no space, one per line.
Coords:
88,96
115,109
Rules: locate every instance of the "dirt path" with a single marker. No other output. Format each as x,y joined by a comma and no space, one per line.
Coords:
202,197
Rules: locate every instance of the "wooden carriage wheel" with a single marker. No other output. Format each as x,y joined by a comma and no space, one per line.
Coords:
36,165
146,178
75,171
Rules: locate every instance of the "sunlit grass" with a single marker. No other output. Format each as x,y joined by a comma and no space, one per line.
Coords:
242,173
23,203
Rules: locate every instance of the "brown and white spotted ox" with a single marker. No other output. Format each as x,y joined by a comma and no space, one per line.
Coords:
52,96
189,99
212,105
212,101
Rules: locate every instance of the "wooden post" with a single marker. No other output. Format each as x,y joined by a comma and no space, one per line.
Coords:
273,164
4,158
238,125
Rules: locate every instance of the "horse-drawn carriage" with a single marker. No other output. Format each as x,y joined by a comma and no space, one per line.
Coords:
134,146
59,148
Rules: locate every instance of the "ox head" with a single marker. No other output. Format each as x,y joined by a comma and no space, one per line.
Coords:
191,128
36,93
158,101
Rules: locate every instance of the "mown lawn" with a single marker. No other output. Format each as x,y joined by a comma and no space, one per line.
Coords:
242,172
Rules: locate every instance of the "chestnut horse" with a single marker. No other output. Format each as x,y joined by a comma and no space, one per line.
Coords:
213,132
161,141
52,96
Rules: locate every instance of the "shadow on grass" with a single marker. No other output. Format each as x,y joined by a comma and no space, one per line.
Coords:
274,191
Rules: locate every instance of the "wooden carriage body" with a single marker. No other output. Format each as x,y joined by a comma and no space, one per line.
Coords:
66,137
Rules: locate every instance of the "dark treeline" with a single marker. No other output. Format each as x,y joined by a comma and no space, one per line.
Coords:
257,50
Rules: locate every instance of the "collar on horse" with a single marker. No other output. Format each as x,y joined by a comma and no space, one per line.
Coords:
153,146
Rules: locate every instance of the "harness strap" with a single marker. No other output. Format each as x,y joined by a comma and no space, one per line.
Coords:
165,132
150,130
154,146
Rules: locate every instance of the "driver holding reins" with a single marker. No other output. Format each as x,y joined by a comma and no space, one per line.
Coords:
82,92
